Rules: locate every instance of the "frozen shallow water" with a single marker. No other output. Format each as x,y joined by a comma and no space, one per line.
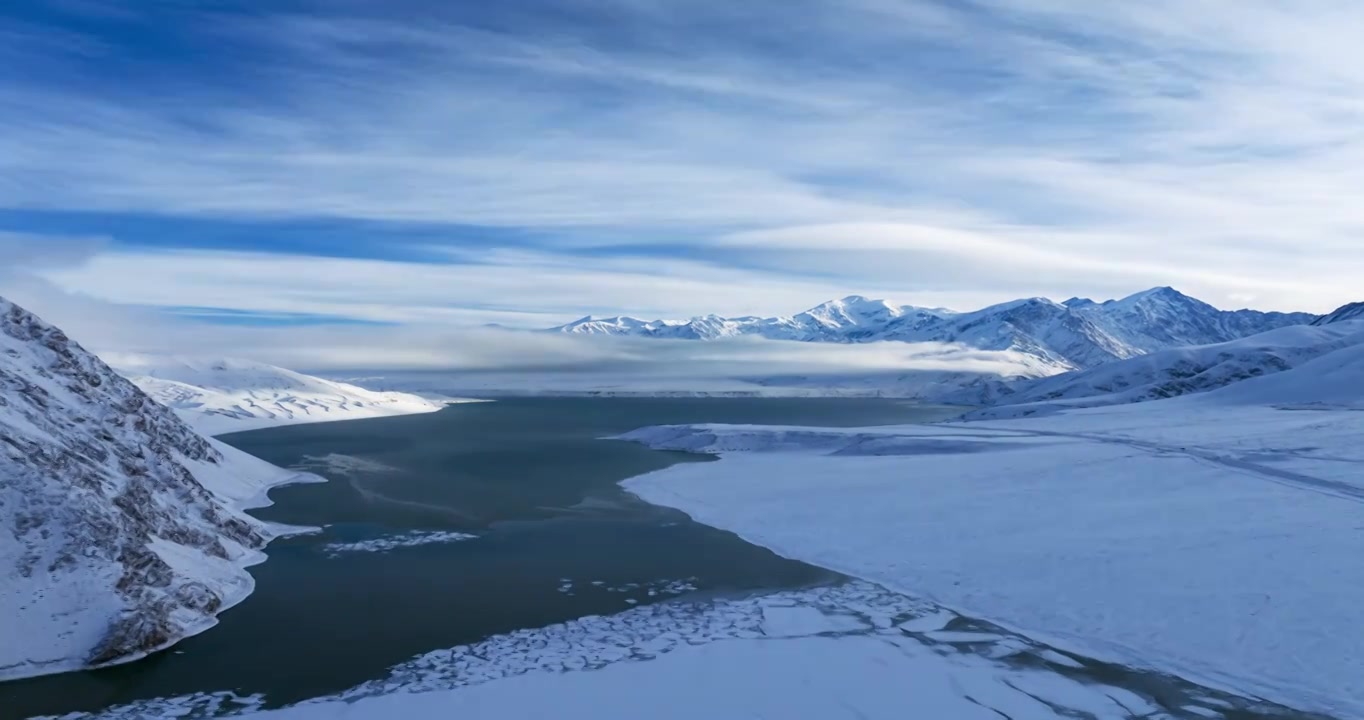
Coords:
853,650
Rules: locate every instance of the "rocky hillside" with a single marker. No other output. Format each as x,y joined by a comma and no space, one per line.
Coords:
121,529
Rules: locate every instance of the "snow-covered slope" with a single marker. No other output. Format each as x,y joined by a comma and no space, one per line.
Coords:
223,396
1333,381
1180,371
1077,334
121,529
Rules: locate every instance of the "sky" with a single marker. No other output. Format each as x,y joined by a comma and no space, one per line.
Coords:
364,165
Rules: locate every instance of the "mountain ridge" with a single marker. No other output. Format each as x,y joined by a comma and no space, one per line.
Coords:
1352,311
1079,333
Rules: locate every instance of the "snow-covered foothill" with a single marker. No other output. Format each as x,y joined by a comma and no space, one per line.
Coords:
219,396
1352,311
1174,372
1213,536
123,529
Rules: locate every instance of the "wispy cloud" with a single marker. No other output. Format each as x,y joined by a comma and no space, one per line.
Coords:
942,153
517,288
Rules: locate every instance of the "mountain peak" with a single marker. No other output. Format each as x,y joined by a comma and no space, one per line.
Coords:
1164,292
860,300
852,310
853,301
1031,302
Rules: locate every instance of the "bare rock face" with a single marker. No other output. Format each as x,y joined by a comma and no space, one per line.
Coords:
96,493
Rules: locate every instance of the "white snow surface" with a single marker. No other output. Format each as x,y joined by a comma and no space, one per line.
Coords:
218,396
1215,536
122,528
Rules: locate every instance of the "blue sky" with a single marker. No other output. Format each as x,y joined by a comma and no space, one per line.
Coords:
446,164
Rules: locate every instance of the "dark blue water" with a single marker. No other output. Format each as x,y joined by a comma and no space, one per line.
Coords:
530,478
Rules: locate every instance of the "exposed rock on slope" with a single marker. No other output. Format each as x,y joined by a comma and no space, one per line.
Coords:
120,528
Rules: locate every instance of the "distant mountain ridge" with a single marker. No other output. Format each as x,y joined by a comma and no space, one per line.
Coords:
1077,334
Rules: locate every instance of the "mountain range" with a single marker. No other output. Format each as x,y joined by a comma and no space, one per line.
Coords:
1076,334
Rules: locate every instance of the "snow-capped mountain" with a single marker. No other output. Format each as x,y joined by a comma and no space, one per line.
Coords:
123,530
1353,311
222,395
847,320
1175,372
1078,333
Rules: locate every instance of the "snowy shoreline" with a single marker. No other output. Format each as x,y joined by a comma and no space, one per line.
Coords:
1118,534
848,649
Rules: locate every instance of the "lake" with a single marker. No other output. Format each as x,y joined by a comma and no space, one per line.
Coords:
508,516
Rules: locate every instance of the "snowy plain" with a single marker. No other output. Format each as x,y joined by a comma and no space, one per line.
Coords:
1213,536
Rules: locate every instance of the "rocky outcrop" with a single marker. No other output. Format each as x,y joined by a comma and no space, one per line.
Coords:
102,517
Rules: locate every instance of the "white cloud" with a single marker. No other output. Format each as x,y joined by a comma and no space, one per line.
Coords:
939,153
442,358
519,288
24,253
